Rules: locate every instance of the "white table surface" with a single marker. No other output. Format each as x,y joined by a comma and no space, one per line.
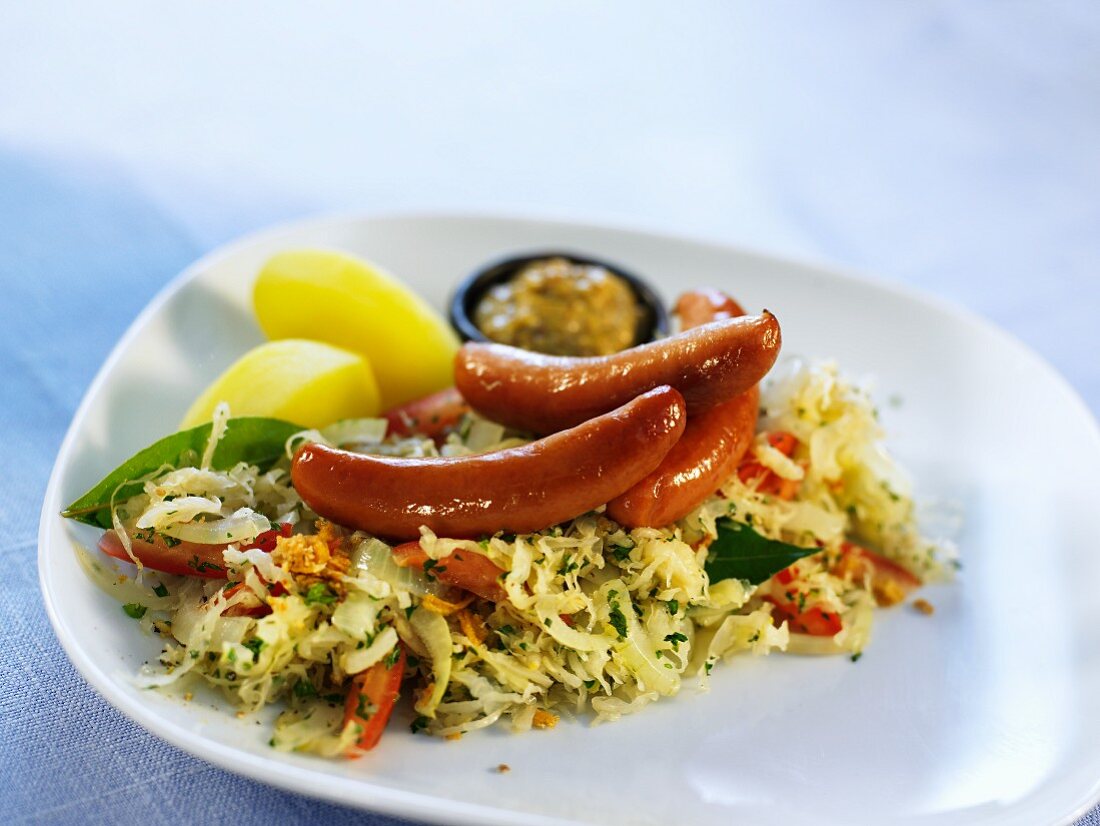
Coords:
951,146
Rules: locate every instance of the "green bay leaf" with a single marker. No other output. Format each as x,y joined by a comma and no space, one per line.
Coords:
739,552
252,439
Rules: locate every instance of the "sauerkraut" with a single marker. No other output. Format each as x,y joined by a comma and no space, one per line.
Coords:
596,621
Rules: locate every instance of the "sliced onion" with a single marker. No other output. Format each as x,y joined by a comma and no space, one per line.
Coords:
363,658
181,510
636,650
815,646
356,431
484,435
374,557
435,634
243,526
122,587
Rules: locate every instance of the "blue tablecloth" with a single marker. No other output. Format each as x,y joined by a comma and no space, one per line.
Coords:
78,260
954,151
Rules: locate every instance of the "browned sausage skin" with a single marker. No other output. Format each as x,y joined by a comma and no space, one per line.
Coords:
702,306
708,453
709,365
518,490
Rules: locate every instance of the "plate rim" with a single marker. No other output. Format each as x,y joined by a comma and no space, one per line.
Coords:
382,799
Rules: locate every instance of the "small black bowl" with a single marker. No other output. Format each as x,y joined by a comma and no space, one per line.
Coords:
653,321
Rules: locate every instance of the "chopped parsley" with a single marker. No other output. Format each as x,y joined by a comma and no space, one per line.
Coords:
160,590
621,552
134,610
255,645
856,656
303,689
319,594
201,565
568,565
419,724
673,606
392,658
365,709
616,618
676,639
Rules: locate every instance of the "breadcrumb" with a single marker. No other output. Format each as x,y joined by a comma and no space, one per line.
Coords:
472,626
888,593
503,768
544,719
302,553
924,606
314,558
430,602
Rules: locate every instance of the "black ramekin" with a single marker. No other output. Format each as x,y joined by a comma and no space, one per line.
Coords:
653,322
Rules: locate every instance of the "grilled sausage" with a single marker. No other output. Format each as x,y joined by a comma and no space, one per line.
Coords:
702,306
519,490
709,365
712,446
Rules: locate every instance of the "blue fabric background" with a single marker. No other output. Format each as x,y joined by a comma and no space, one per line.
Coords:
78,259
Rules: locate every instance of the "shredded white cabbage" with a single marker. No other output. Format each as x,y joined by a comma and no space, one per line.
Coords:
595,617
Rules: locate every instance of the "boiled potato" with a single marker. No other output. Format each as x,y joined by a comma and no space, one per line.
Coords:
305,382
341,300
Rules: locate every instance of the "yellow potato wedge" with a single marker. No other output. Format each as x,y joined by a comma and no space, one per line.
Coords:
341,300
305,382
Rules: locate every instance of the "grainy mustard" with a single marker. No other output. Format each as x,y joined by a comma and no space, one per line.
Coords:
563,308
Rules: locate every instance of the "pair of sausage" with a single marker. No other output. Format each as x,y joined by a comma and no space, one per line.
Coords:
709,364
614,421
714,441
519,490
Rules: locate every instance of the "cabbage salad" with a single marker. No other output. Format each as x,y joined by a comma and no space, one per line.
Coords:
584,620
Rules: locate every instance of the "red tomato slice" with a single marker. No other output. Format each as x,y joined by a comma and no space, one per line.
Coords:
371,699
254,607
890,582
787,575
184,558
770,483
814,620
462,569
430,416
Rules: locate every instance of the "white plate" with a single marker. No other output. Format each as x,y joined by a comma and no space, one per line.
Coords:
987,711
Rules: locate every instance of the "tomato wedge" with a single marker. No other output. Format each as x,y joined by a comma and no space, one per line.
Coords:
462,569
254,606
371,699
815,620
890,582
184,558
771,483
430,416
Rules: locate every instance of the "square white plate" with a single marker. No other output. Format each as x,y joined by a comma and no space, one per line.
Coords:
988,711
